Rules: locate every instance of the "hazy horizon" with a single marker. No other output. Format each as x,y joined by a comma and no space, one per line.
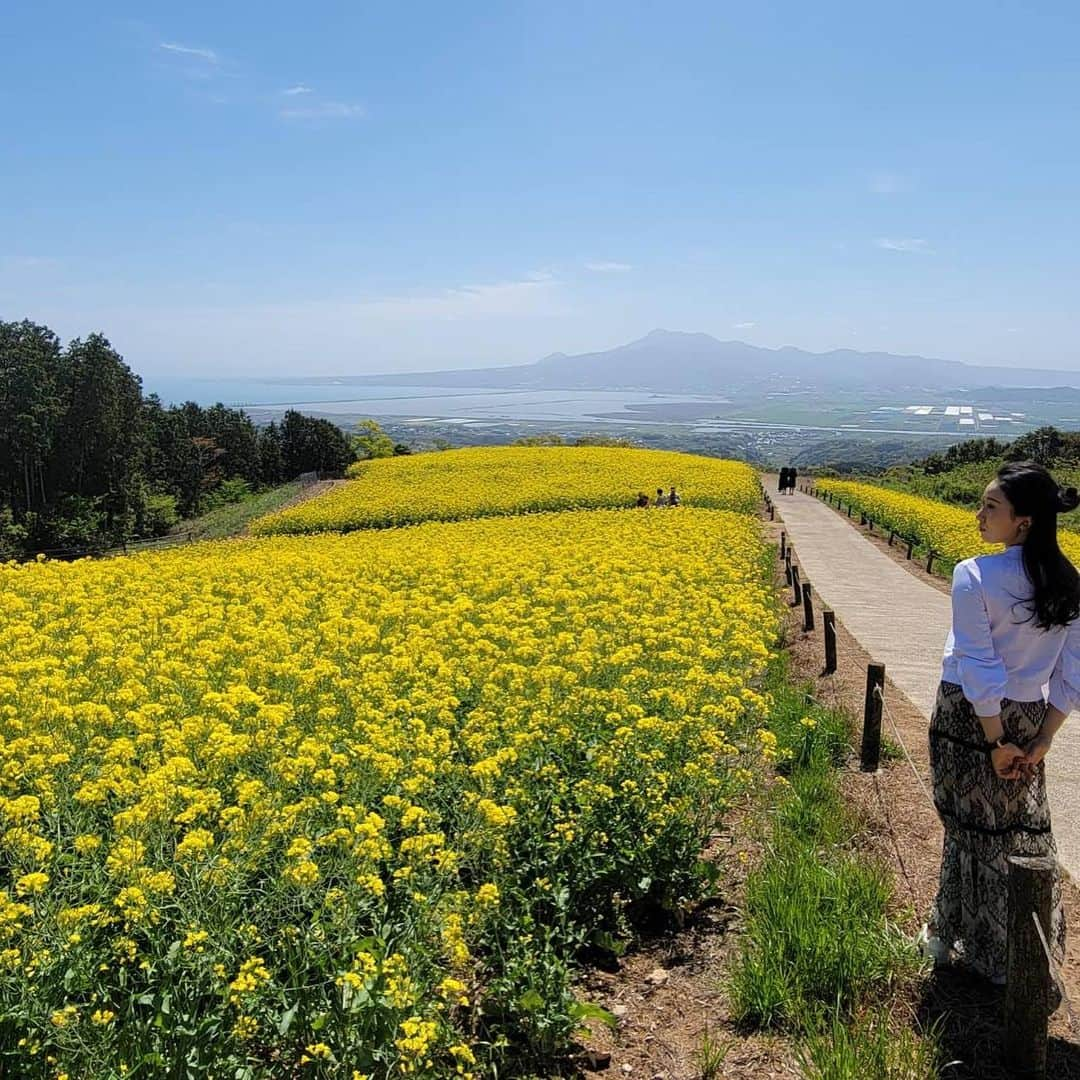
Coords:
305,376
240,192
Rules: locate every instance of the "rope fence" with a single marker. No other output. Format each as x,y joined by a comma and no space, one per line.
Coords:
1029,984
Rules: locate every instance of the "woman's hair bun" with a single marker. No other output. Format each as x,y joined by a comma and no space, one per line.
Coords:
1067,499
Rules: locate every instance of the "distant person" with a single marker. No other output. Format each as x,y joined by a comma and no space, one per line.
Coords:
792,476
673,498
642,499
782,484
1015,629
660,499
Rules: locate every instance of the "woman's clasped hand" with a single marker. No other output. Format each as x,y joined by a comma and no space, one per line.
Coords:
1010,762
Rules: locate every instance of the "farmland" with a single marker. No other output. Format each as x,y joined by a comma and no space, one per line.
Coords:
283,803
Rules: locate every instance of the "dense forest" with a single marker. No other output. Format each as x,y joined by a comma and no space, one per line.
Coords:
87,462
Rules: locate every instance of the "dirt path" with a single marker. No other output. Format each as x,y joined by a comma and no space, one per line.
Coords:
320,487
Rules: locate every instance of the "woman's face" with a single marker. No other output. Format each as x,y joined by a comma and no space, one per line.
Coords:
998,524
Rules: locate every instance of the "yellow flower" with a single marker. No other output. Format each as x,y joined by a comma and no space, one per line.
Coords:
487,895
316,1052
253,973
245,1028
195,846
393,713
87,843
302,873
31,884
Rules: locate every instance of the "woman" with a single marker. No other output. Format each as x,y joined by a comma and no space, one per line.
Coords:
1014,629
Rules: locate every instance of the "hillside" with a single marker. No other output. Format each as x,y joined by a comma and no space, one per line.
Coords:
674,361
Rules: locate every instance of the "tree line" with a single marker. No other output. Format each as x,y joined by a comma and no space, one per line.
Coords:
1046,445
87,462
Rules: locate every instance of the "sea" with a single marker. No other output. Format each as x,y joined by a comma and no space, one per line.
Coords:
427,403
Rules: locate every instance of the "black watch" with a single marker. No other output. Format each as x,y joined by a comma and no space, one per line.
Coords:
997,744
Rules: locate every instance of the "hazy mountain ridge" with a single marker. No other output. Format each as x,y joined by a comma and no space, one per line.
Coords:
677,362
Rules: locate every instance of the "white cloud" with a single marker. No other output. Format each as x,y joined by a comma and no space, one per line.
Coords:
299,88
608,267
743,325
208,55
889,183
29,262
912,245
323,110
463,302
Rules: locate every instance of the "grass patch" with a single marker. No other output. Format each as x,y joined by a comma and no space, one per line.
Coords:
231,518
805,731
871,1047
817,936
818,943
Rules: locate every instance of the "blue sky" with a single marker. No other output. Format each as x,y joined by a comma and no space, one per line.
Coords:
346,188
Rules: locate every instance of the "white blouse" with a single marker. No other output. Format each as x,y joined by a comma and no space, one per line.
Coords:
992,653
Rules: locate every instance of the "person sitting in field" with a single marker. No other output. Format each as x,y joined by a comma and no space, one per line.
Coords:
660,499
673,498
642,499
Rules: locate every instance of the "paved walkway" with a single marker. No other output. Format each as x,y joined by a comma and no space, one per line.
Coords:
902,623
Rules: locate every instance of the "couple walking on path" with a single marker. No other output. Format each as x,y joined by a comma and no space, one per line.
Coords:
1015,629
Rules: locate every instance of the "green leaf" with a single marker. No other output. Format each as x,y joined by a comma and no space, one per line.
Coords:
530,1002
589,1010
287,1018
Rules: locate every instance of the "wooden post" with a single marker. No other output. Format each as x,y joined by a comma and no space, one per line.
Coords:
892,534
871,732
796,593
862,518
849,509
1027,988
772,512
783,543
910,545
787,566
829,618
807,608
930,561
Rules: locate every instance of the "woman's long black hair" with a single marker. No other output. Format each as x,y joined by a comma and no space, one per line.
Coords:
1033,492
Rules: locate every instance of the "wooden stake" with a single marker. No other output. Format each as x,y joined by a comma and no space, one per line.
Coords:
1027,989
829,618
871,732
808,609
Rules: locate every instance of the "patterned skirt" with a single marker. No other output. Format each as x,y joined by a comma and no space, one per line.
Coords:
986,819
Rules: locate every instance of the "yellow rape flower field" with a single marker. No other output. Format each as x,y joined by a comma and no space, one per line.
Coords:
950,530
348,805
483,481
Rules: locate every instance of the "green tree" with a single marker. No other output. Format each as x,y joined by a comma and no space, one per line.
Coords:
101,435
313,444
271,457
1045,445
370,441
32,372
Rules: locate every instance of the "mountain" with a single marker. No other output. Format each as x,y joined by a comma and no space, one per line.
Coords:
675,362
